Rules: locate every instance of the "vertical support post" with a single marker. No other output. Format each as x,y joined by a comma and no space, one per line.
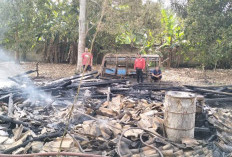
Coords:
10,106
127,58
108,95
116,69
37,69
159,61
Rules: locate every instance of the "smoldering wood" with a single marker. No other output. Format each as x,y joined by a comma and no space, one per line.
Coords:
12,120
4,97
65,83
23,74
14,80
73,77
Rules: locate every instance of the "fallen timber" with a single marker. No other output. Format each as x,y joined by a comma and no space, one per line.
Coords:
23,74
12,120
40,138
99,125
212,91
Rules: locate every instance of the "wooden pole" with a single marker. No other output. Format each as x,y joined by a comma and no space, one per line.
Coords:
10,106
37,69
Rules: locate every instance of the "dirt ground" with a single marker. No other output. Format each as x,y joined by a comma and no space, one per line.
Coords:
184,76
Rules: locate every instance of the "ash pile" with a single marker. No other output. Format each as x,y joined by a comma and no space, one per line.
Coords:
110,117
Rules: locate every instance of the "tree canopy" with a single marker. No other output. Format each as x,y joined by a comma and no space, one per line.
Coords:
197,32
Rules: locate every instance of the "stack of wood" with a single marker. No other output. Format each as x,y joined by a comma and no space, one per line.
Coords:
215,95
221,119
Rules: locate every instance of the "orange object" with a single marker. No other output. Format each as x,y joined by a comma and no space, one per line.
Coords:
139,63
87,58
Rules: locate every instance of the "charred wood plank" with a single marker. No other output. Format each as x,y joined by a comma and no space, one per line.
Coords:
119,90
27,72
98,96
202,129
12,120
155,88
73,77
40,138
208,87
102,83
64,83
5,97
211,91
14,80
96,84
226,99
10,106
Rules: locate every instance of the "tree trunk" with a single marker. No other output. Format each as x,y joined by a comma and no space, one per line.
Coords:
82,35
17,57
17,60
45,50
215,66
73,53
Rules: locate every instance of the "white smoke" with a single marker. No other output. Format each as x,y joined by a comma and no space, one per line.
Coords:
9,69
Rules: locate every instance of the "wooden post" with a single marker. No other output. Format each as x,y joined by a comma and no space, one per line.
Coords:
108,95
116,69
10,106
200,103
179,116
37,69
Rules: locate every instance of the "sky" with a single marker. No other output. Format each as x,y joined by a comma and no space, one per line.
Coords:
167,3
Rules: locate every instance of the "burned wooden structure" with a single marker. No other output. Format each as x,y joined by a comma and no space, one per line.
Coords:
123,64
130,123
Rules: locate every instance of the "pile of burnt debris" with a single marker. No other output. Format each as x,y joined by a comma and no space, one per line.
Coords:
111,117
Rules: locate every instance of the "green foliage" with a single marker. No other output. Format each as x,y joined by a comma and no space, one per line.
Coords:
29,24
173,32
134,23
199,31
208,28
